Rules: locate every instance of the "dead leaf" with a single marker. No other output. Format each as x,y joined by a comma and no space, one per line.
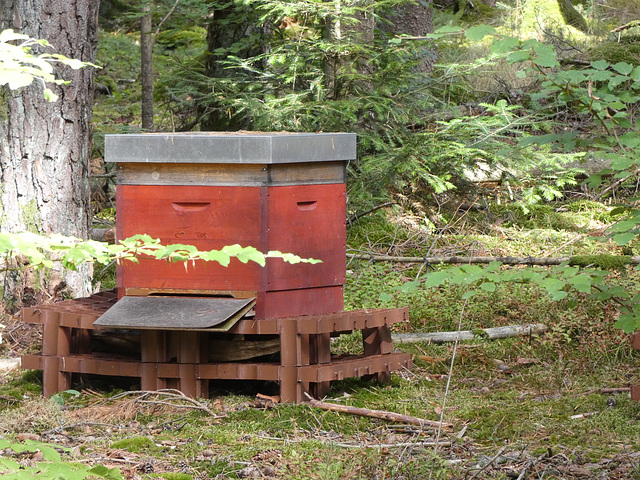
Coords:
430,359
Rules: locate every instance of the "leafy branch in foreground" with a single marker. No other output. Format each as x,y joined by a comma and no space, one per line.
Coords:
557,281
39,251
24,250
604,96
19,67
52,468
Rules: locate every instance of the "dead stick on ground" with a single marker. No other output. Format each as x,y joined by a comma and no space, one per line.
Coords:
381,414
489,333
169,394
605,390
541,261
489,462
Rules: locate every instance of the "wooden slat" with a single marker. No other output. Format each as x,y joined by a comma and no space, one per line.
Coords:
253,175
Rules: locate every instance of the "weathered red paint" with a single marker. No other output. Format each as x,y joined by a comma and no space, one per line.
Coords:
308,220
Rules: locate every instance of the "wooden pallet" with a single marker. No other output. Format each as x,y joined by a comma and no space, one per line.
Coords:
179,358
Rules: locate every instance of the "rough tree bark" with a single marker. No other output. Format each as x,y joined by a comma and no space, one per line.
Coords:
45,147
230,24
572,16
146,63
415,19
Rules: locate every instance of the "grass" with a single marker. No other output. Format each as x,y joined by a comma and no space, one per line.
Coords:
516,397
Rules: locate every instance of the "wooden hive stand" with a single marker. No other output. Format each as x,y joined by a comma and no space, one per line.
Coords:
180,358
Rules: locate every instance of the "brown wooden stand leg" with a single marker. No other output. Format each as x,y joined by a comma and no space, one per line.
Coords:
378,341
290,390
152,351
189,357
64,350
320,354
55,344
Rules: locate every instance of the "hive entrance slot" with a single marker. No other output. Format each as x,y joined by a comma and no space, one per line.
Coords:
307,206
190,207
191,295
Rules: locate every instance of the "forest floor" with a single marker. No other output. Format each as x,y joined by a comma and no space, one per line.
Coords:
553,405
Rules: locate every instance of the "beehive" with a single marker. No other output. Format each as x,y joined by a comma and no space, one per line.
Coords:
272,191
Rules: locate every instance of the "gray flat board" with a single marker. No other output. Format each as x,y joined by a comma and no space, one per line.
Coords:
249,147
176,313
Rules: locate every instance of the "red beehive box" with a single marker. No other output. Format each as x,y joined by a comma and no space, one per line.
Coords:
272,191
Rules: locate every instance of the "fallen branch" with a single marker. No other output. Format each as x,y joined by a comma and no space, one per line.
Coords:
488,333
168,394
605,390
633,24
70,426
381,414
357,216
495,457
540,261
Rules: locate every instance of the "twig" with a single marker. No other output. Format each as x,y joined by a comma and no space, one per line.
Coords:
605,390
171,394
74,425
381,414
500,452
633,24
357,216
392,445
155,37
446,389
530,464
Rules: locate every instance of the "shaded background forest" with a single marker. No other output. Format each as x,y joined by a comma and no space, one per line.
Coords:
432,112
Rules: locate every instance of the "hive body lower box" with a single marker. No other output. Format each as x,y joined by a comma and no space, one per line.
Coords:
283,192
268,191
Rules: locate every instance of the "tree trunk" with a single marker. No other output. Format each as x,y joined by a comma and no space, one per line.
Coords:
146,67
231,24
572,17
416,20
343,66
45,147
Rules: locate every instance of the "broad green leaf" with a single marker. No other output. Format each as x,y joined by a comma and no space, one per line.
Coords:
582,283
488,286
49,95
469,294
626,322
216,256
547,60
15,79
409,287
600,64
552,284
624,238
504,45
623,162
62,471
623,68
601,76
108,473
10,35
518,56
435,279
478,32
386,297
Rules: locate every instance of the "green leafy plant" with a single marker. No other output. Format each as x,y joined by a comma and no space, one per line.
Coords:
52,467
602,95
19,67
